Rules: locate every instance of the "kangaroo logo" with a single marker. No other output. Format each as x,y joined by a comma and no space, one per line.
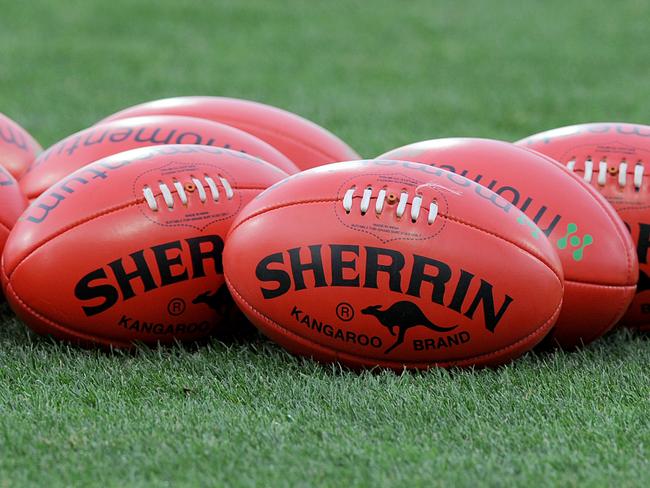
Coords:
402,315
575,241
217,301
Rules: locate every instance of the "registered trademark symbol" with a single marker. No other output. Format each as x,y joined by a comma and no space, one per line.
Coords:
176,306
344,311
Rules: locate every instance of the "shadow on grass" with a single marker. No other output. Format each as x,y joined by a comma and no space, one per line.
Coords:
244,340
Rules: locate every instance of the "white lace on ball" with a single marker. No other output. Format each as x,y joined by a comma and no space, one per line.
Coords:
199,184
601,179
638,175
366,197
589,170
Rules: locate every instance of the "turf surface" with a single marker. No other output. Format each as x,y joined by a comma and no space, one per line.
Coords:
379,74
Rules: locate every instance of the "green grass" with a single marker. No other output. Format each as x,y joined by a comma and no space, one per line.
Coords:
379,74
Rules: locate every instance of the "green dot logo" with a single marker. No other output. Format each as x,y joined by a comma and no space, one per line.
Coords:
575,241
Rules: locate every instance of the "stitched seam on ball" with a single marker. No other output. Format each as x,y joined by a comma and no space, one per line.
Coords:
73,225
449,362
81,336
628,172
453,219
173,190
279,206
539,257
632,207
598,285
620,310
273,131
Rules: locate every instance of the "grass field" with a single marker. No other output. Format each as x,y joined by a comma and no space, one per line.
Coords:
379,74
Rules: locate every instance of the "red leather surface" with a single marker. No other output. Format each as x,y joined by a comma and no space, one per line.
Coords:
613,143
301,140
100,141
603,279
474,233
105,226
17,147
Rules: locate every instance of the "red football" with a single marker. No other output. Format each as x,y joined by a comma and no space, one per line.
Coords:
12,204
17,148
392,264
597,253
131,251
100,141
612,157
302,141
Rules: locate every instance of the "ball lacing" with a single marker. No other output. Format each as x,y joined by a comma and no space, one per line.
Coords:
604,170
383,198
181,190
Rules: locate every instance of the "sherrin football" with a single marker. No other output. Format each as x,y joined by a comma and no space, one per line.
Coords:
393,264
304,142
597,253
102,140
17,147
129,248
613,157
